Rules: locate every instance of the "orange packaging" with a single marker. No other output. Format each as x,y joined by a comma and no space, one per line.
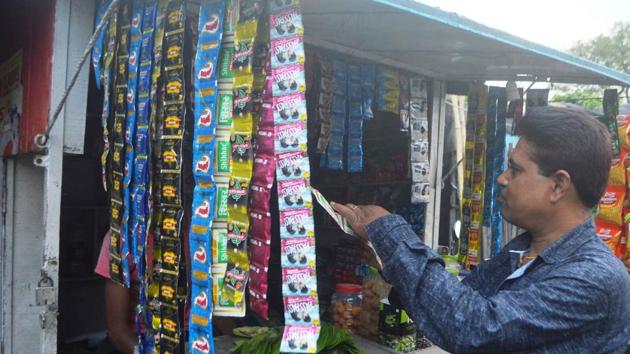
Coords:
611,205
623,122
617,175
609,234
623,248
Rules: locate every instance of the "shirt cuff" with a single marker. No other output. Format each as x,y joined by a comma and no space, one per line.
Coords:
381,234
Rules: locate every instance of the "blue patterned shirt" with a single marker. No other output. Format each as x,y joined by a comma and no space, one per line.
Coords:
573,298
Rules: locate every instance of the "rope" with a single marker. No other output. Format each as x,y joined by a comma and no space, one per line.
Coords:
42,139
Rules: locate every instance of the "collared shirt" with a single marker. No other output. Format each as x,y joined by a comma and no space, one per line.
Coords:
573,298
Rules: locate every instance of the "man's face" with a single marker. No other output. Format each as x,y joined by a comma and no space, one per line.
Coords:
525,192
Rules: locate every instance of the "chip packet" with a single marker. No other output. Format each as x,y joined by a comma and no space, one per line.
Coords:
297,252
294,194
609,234
301,310
296,223
611,205
299,281
299,339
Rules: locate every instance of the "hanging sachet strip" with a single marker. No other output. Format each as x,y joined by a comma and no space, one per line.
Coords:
108,59
297,243
419,139
354,145
477,105
210,29
140,180
135,47
141,139
498,167
152,278
119,263
223,162
259,243
236,277
97,50
168,199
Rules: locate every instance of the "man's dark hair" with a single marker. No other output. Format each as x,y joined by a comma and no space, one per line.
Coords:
571,140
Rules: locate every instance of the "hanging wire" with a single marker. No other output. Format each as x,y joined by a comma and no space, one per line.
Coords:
42,139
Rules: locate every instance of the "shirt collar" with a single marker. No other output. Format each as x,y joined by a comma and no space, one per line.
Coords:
564,246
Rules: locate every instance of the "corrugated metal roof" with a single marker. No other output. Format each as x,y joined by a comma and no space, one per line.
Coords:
442,44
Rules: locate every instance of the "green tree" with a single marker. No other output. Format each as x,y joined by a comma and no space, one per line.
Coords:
591,101
611,50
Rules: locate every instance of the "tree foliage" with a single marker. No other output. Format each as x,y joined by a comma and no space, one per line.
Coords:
591,101
611,50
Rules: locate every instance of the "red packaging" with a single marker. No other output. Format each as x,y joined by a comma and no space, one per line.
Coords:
266,116
260,226
259,251
609,234
264,170
611,205
264,140
259,197
258,278
617,174
258,303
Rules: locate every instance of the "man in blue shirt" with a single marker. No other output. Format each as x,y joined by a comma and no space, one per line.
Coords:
556,288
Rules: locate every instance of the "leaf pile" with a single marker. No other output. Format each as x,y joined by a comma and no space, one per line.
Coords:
266,340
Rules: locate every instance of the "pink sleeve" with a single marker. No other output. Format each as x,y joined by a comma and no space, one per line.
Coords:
102,265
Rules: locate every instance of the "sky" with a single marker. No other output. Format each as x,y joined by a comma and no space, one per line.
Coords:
555,23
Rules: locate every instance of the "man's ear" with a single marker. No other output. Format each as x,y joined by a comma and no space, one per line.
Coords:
561,185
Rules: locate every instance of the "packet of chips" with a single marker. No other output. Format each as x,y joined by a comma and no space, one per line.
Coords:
265,141
242,154
259,197
243,56
296,252
609,234
299,281
289,108
263,174
258,277
242,104
237,198
611,205
221,211
219,244
235,281
299,339
290,137
286,51
288,79
617,174
237,241
294,194
260,225
259,251
296,223
301,310
286,22
276,5
258,303
292,165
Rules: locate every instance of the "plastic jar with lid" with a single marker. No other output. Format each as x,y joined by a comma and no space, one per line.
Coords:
346,306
